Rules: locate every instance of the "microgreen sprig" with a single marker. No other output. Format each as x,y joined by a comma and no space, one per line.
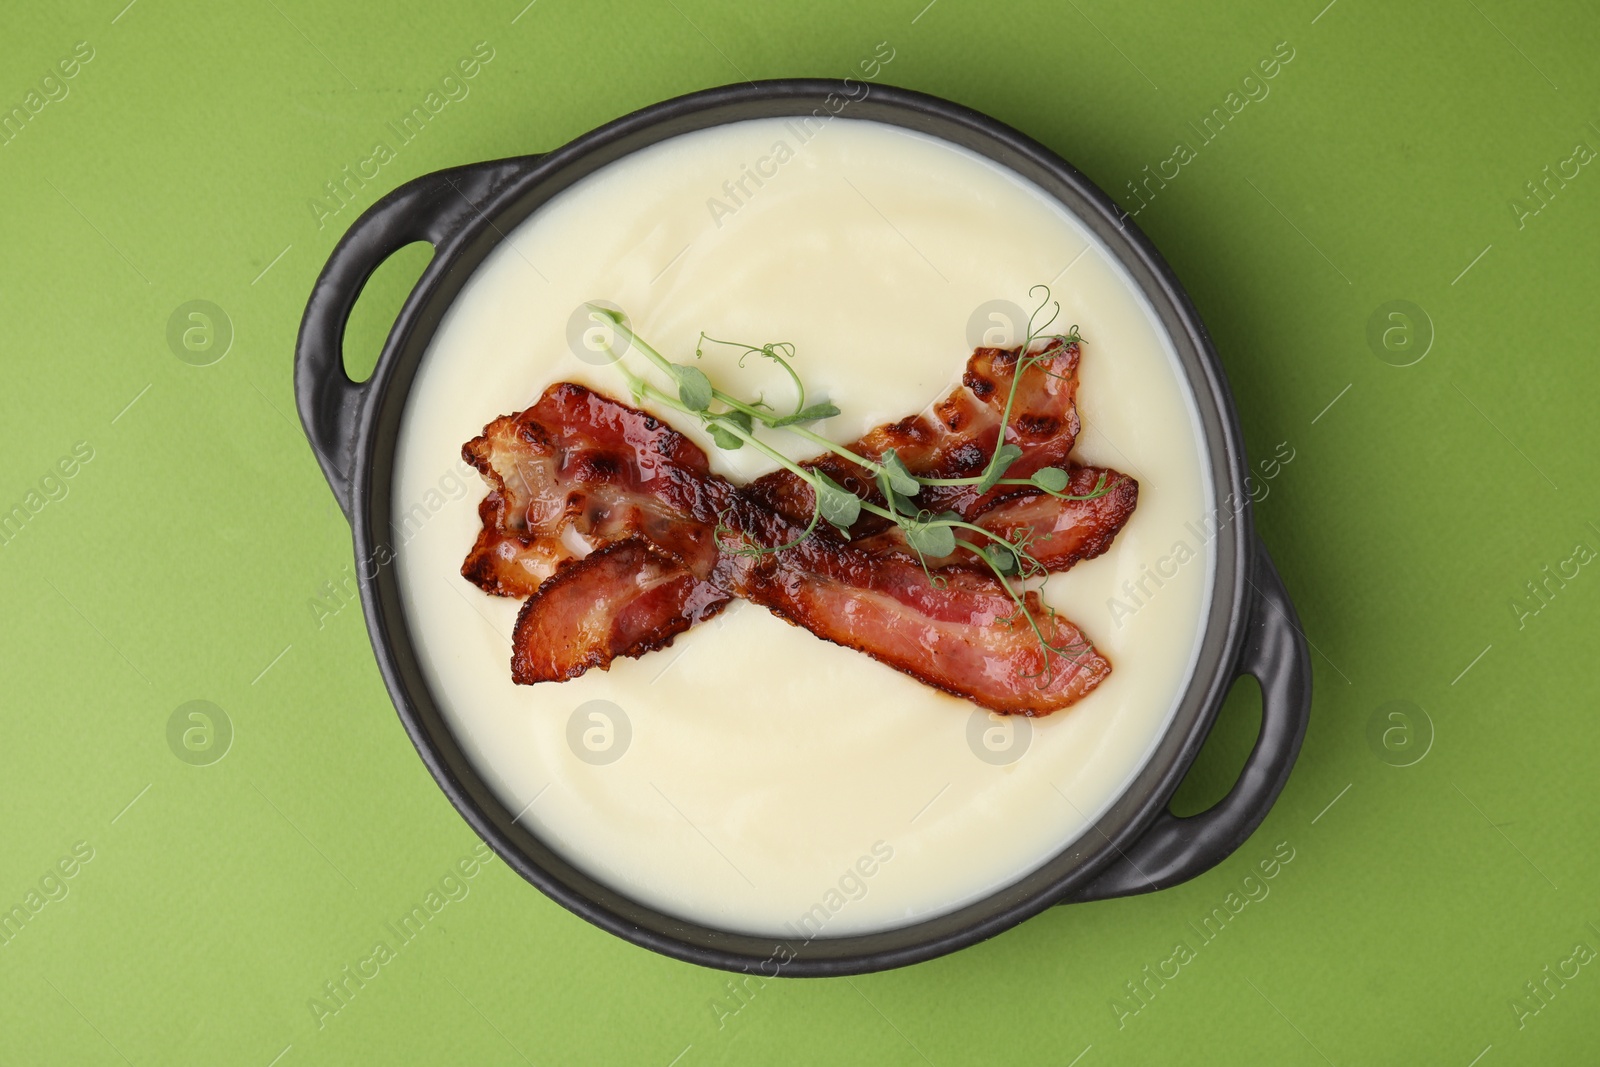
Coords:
697,393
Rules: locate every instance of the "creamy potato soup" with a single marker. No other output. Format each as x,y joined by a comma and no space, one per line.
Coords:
751,776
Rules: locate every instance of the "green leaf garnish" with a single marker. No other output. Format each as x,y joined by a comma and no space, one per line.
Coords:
899,478
931,538
814,413
725,438
838,505
694,388
1004,456
1002,557
1050,479
726,441
897,503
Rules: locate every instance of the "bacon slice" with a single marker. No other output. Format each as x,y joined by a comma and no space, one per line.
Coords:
965,637
1063,532
625,599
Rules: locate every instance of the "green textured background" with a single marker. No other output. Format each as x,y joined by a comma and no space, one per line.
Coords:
181,563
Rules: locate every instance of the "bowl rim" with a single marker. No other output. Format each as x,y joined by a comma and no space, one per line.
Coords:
1076,863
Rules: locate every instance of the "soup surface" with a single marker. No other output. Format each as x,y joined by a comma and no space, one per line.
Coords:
751,776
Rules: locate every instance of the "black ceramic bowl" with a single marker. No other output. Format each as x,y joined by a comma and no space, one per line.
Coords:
1250,625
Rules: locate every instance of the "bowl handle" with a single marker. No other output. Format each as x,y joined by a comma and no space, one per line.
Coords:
1174,850
436,208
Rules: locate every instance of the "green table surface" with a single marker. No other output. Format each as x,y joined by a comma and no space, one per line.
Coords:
1441,818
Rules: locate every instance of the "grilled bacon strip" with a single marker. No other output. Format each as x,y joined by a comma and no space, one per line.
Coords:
608,521
965,637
